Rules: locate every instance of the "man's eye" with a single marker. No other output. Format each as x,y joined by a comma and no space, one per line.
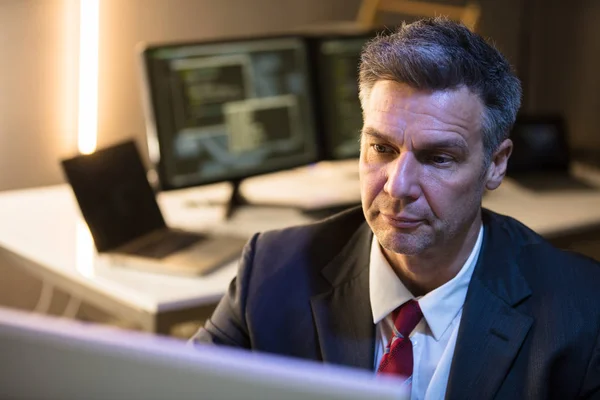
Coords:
440,159
380,148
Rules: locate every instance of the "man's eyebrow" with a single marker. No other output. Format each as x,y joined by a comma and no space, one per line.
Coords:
446,143
368,131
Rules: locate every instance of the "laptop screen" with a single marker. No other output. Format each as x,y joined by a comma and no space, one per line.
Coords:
114,195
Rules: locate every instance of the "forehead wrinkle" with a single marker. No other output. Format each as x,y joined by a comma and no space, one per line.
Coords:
403,125
447,136
464,114
447,143
447,121
418,103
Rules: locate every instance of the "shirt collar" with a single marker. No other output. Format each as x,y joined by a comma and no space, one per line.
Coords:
440,306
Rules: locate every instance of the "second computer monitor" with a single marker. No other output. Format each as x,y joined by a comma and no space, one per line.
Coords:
230,109
338,62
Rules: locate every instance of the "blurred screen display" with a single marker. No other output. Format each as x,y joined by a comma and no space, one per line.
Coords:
339,62
230,110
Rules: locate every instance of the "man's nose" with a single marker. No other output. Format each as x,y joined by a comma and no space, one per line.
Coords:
403,177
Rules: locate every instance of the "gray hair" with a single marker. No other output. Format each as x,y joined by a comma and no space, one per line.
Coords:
439,54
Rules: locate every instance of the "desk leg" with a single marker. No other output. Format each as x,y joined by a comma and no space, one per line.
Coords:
134,318
45,298
72,307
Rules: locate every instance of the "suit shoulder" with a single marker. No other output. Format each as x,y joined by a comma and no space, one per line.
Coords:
304,249
287,264
518,232
537,255
331,233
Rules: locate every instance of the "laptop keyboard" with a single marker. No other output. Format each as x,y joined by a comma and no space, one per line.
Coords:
164,243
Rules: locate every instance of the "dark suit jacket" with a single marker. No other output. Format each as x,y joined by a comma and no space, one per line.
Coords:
529,330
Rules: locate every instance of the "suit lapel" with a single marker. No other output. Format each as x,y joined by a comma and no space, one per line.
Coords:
343,314
491,330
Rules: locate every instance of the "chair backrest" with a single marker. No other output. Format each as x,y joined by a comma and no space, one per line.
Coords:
370,10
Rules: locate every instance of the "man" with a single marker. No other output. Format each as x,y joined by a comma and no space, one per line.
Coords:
468,303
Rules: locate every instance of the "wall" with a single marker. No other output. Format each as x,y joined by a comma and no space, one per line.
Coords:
37,95
564,64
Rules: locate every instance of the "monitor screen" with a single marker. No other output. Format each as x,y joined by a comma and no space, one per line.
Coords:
228,110
539,145
114,195
339,59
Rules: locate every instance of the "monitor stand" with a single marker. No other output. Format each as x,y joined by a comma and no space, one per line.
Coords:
236,199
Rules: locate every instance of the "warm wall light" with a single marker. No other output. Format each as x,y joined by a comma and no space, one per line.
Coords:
88,75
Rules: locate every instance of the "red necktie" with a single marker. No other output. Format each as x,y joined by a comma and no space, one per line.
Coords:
398,357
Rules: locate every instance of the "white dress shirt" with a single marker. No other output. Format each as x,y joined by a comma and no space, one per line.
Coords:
434,337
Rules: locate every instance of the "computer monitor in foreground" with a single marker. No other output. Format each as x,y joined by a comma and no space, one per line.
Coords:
227,110
47,358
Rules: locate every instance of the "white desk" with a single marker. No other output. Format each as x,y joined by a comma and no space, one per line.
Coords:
549,213
42,230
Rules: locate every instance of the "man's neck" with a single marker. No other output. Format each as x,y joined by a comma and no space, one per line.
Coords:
425,272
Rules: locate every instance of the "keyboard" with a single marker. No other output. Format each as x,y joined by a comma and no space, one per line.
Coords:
163,243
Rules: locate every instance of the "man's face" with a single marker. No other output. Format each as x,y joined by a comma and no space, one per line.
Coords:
421,167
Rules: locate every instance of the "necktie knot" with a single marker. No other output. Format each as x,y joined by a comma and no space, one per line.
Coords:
398,357
406,317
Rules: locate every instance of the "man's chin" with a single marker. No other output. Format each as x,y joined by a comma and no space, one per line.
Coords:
406,246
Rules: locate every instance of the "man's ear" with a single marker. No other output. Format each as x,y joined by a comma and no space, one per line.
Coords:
497,168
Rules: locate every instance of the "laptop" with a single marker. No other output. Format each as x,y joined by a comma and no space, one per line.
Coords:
121,211
541,157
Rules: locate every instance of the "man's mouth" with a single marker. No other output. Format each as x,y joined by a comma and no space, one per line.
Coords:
402,221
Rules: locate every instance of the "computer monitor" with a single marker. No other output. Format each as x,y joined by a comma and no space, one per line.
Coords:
227,110
48,358
338,59
540,145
